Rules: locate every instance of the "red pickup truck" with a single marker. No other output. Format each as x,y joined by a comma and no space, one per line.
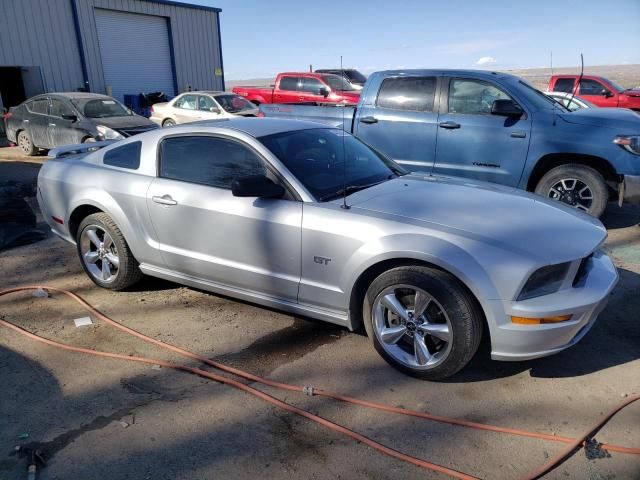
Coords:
598,90
305,87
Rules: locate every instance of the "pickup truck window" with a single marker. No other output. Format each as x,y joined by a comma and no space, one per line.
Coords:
338,83
311,85
289,83
407,93
316,156
564,85
211,161
473,97
592,87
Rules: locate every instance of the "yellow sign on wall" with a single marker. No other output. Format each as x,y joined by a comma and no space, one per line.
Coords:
218,72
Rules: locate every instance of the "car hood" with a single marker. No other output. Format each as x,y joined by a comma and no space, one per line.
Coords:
604,117
127,121
503,217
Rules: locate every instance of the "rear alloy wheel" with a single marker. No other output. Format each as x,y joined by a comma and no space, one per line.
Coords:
168,123
422,321
104,253
578,186
25,144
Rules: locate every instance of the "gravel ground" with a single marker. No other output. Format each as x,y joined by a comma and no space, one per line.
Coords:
101,418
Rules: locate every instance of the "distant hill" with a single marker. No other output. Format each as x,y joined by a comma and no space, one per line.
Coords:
626,75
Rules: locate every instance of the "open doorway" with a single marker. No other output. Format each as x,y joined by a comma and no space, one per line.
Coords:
11,86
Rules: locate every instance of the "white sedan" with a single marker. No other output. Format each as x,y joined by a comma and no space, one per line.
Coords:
194,106
570,101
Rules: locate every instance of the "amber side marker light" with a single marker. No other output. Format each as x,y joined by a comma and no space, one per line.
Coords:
538,321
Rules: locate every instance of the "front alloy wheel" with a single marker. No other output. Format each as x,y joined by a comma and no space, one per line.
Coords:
99,253
422,321
412,326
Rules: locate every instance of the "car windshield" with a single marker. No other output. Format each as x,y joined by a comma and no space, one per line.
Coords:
615,86
101,108
537,98
234,103
316,156
337,83
355,76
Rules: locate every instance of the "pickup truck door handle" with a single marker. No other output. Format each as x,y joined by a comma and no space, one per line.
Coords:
519,134
449,125
369,120
164,200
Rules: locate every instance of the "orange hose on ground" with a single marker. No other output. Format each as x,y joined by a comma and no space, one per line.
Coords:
574,443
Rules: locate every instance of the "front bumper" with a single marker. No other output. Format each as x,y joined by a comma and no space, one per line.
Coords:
630,189
513,342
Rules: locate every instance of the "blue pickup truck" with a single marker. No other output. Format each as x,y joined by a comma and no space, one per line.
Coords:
493,127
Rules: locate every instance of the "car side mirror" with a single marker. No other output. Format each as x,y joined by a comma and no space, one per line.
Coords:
606,93
256,186
214,110
506,108
72,118
324,91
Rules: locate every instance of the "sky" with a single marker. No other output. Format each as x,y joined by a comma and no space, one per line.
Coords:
262,38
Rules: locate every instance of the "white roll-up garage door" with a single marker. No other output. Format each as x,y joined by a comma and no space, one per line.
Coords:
135,52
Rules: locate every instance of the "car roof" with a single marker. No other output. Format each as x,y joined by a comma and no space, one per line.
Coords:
76,95
260,127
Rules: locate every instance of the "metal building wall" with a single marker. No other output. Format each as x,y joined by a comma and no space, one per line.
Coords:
41,33
194,39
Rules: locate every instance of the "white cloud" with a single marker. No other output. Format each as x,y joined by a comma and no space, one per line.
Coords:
486,61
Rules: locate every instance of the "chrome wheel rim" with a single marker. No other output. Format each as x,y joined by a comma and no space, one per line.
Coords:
169,123
99,253
573,192
24,143
412,327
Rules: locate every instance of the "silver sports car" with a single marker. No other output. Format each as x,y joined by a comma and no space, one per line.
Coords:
310,220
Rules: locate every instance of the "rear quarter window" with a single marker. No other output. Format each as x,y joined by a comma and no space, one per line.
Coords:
126,156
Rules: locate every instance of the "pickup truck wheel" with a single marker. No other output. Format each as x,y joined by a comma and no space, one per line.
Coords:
26,145
579,186
422,321
168,123
104,253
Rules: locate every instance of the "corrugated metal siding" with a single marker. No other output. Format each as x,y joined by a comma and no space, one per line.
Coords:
135,52
41,33
193,34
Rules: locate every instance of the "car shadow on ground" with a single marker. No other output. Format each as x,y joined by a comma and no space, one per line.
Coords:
613,340
616,217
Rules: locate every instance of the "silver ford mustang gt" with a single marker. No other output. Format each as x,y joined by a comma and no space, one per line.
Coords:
310,220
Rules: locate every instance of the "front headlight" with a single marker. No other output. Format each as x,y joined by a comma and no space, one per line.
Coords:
109,133
631,143
544,281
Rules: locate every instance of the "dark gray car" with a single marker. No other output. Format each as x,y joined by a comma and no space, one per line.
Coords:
55,119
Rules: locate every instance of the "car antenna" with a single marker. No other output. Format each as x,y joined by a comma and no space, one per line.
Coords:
344,153
573,94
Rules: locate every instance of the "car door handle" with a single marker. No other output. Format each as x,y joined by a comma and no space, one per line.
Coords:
449,125
519,134
164,200
369,120
52,124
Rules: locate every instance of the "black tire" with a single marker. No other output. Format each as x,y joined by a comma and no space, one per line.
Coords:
169,122
127,272
25,144
587,176
465,317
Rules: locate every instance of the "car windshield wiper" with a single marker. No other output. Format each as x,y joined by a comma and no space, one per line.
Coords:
354,188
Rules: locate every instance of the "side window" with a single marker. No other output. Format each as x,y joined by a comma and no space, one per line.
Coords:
39,106
188,102
591,87
473,97
59,108
212,161
289,83
126,156
312,85
564,85
206,103
407,93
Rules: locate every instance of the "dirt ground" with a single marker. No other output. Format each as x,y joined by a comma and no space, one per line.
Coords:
102,418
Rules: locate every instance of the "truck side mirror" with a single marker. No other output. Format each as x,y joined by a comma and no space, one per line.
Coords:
324,91
506,108
606,93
